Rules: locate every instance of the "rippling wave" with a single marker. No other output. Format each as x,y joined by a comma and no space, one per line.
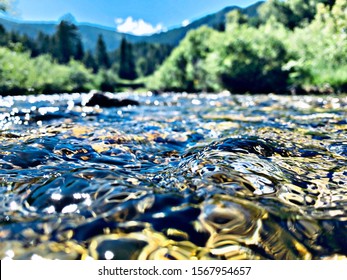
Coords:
179,177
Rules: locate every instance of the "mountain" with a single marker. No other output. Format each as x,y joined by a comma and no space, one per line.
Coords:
90,32
174,36
69,18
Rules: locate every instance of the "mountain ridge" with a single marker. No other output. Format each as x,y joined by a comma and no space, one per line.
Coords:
89,32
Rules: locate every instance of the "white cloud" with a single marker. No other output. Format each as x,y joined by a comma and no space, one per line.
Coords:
119,21
185,22
137,27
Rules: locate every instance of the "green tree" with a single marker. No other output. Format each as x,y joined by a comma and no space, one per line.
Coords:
148,57
292,13
246,59
235,18
66,40
22,74
253,61
3,36
89,61
127,68
79,53
102,58
189,66
29,44
280,11
44,43
18,42
320,49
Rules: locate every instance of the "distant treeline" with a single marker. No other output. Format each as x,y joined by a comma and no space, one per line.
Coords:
66,44
297,46
65,48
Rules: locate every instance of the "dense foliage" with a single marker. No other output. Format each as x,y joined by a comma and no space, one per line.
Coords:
296,45
292,46
63,51
19,73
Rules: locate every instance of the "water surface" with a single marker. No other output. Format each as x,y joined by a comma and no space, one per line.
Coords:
179,177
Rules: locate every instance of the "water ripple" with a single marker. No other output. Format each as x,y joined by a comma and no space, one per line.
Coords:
179,177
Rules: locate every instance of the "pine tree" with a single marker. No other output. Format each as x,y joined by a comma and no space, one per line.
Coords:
127,66
66,39
29,44
148,56
3,36
89,61
79,53
102,58
43,43
14,37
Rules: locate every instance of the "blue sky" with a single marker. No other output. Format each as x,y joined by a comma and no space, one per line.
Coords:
131,16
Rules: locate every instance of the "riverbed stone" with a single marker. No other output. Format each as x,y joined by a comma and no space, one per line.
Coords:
102,100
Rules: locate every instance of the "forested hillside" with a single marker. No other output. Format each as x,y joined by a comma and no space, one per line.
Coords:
294,46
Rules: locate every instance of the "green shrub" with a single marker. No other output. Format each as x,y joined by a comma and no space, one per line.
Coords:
21,74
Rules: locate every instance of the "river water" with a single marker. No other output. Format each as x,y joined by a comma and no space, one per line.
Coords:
178,177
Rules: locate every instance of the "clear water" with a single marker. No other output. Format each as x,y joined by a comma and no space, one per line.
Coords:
179,177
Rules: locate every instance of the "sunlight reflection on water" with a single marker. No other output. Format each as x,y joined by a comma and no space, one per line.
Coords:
183,176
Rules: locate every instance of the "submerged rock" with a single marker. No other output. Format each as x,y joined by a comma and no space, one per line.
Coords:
106,102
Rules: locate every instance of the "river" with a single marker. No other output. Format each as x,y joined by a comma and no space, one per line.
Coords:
182,176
